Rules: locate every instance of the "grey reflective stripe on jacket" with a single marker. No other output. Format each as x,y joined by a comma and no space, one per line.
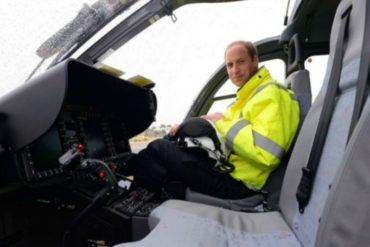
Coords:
231,134
292,95
259,89
268,145
259,140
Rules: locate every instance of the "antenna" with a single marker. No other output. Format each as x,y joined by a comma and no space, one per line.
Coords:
286,14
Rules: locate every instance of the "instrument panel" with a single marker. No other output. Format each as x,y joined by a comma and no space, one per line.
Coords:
102,135
70,104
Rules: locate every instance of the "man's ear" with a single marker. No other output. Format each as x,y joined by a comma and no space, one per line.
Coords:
255,61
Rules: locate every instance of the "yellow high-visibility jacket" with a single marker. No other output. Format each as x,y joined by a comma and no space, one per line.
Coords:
259,128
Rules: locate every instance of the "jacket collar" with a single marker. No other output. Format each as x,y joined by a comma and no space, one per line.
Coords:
261,76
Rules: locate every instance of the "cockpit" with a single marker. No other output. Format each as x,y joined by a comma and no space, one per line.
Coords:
66,139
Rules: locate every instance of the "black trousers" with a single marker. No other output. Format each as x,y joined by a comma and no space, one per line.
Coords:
163,163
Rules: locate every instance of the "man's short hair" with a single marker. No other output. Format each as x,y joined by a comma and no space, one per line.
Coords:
249,46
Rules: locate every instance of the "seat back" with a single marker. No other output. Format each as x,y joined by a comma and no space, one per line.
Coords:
305,225
346,217
299,82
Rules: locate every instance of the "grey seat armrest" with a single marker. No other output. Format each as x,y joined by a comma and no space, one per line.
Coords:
249,204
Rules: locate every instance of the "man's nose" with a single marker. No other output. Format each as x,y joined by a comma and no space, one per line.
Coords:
235,70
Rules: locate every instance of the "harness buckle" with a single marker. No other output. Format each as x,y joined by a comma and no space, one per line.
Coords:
304,189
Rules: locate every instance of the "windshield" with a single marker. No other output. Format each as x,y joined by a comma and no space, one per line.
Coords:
36,34
180,57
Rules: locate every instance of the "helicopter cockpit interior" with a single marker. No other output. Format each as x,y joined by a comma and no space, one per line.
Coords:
65,149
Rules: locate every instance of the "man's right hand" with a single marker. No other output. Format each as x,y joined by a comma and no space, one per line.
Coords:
173,130
214,117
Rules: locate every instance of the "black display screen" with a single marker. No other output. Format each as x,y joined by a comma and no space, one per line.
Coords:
94,139
46,151
120,140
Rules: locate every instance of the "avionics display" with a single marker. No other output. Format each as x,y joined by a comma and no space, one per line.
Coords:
46,151
94,139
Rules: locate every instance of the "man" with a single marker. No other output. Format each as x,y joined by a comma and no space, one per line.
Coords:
258,129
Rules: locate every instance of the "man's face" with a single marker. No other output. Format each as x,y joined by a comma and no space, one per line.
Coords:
239,64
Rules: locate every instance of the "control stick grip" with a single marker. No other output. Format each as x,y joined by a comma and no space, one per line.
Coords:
70,156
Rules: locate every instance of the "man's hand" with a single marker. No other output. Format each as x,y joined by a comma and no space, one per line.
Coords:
214,117
173,130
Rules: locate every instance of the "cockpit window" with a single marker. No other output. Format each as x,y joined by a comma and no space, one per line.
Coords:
36,34
179,57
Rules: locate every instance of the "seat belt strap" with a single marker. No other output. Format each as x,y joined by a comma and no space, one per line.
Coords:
303,193
363,73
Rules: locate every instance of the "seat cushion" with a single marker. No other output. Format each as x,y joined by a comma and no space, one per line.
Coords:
182,223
